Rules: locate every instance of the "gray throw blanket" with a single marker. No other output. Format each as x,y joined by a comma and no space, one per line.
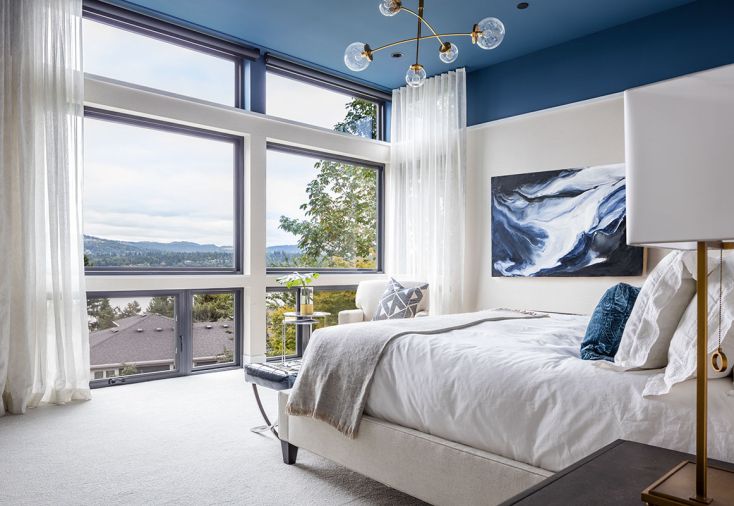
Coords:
340,362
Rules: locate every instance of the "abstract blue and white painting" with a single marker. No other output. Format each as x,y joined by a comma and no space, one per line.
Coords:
568,222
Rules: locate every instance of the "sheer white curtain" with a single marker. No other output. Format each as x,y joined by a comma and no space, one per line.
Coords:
426,188
44,342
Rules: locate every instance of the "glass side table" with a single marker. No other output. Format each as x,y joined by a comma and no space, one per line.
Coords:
301,320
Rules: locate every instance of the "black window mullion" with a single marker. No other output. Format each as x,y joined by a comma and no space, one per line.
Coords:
186,332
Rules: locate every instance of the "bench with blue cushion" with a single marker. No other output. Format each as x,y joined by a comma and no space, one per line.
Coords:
280,375
273,375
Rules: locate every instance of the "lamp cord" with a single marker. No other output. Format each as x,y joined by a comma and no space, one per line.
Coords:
721,290
719,360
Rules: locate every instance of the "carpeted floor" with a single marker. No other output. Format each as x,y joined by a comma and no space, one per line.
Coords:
175,441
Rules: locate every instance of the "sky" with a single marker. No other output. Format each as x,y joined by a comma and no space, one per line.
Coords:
148,185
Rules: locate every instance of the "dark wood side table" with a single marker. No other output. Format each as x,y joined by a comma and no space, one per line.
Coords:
615,475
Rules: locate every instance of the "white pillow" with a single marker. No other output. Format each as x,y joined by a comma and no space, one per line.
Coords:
664,296
682,353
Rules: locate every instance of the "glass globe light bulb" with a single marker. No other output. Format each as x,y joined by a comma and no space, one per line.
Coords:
416,76
448,52
355,58
492,31
389,7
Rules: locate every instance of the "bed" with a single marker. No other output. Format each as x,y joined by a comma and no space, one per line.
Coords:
476,415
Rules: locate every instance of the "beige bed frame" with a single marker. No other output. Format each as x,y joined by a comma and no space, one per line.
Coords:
430,468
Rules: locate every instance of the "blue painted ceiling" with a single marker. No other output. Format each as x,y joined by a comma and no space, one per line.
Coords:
317,31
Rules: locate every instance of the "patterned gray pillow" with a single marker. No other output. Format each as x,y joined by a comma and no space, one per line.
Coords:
398,301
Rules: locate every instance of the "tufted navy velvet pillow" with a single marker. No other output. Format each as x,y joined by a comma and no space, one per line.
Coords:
607,323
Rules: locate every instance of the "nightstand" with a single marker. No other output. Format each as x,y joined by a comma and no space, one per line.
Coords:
614,475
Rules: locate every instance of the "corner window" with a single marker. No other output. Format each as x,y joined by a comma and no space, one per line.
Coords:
322,213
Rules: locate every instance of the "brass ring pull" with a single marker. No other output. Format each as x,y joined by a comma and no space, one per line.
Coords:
719,361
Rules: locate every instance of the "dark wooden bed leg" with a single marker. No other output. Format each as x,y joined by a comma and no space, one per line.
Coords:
289,452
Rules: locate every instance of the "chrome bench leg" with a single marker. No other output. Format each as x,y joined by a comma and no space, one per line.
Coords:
269,426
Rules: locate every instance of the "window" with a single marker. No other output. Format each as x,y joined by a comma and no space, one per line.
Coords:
279,302
134,336
316,105
322,213
158,196
214,329
131,335
125,55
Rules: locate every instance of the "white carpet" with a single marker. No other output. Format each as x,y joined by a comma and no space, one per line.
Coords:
177,441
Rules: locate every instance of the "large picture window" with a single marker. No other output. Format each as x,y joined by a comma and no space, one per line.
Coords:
139,336
322,213
159,197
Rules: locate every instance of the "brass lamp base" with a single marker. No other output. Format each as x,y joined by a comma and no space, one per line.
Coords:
678,487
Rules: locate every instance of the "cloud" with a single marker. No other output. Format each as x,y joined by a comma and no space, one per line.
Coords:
127,56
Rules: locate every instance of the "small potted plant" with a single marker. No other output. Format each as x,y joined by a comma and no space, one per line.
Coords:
305,293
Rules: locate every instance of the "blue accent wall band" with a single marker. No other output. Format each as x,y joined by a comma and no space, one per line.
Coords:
687,39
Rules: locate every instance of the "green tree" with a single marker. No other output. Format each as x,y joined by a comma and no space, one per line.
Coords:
361,116
277,304
212,307
132,309
162,305
128,369
339,229
100,312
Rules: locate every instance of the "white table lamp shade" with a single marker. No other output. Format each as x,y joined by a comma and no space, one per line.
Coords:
679,138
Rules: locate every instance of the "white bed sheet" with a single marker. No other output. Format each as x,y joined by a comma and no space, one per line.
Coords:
518,389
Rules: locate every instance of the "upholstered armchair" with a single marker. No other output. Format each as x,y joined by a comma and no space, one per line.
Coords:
368,297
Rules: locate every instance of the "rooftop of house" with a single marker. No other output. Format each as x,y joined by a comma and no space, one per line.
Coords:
151,337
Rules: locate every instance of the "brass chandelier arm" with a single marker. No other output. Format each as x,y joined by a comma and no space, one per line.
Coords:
413,39
425,22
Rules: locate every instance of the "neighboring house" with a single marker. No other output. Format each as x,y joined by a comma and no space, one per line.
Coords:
147,343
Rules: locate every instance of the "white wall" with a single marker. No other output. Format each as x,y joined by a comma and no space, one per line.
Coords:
577,135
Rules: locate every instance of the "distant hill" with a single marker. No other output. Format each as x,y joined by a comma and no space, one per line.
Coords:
288,249
110,253
97,245
107,252
282,256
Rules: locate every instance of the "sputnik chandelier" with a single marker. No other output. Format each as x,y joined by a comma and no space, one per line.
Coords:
487,34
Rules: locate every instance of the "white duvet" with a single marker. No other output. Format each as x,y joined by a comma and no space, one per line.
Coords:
518,389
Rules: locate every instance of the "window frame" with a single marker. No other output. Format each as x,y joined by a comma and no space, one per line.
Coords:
183,335
238,193
188,359
291,70
159,29
380,232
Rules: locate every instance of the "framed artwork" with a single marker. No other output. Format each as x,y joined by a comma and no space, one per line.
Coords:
569,222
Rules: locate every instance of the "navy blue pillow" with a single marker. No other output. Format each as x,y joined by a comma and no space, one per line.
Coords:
607,323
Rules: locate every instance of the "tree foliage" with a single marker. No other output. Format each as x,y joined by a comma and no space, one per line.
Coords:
132,309
101,314
212,307
339,229
279,303
361,118
162,305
